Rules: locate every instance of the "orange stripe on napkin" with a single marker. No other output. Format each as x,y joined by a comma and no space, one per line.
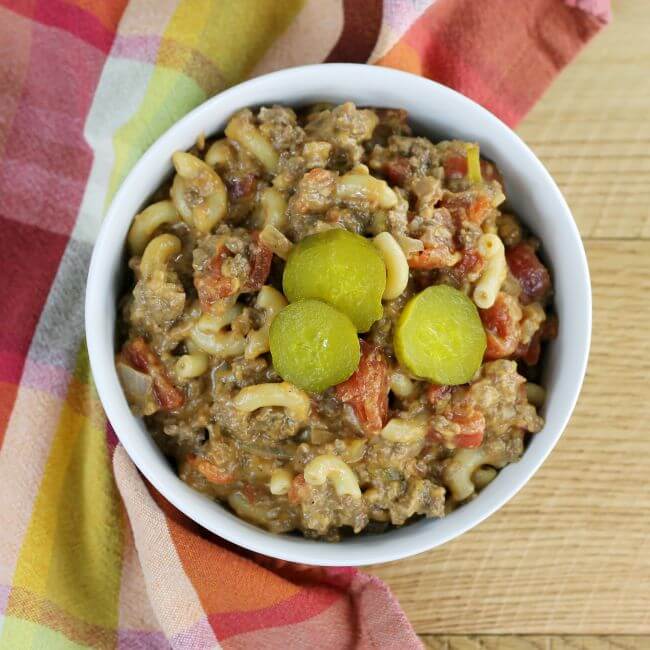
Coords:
502,54
198,552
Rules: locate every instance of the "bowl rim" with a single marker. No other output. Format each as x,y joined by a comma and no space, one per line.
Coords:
362,550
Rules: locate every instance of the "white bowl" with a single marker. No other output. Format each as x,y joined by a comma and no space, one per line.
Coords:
435,111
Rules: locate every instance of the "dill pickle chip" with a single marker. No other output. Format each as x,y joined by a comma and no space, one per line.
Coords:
439,336
313,345
340,268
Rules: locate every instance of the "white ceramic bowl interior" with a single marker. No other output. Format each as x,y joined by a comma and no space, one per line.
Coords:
437,112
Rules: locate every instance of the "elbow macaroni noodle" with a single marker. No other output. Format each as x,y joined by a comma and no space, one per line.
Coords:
147,222
274,208
247,510
250,138
402,385
535,394
409,245
360,169
483,476
158,253
220,153
190,366
285,395
195,176
354,450
397,268
328,466
494,273
353,186
461,467
275,241
401,430
209,334
280,482
270,301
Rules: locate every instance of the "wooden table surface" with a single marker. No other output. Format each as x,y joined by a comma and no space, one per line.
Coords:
566,564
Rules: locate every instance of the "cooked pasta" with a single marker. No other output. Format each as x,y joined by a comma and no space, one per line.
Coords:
355,185
402,385
332,468
460,469
284,395
483,476
190,366
274,240
220,153
274,207
210,336
489,285
397,268
270,301
242,130
280,482
409,245
536,394
405,430
147,222
158,253
198,192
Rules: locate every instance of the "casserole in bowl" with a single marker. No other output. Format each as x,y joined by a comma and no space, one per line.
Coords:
438,113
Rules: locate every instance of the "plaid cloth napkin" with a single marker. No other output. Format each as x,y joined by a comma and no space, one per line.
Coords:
89,555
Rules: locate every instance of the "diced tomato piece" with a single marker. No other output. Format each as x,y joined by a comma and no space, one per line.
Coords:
473,205
436,392
210,471
455,166
143,358
437,257
242,186
501,329
471,262
471,423
211,285
532,275
261,258
170,397
497,318
367,389
299,490
212,289
139,354
469,440
479,208
472,429
397,170
530,352
498,348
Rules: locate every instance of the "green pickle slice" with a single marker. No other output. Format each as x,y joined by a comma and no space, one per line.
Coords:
313,345
340,268
439,336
